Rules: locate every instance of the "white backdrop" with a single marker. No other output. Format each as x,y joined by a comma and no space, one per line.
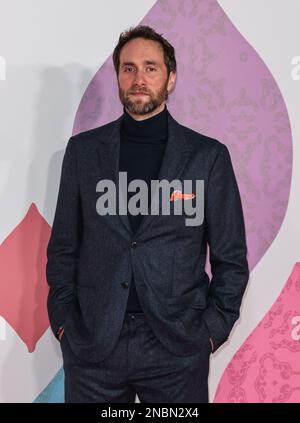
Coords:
66,42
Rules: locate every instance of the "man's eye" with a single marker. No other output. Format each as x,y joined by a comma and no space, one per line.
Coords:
130,68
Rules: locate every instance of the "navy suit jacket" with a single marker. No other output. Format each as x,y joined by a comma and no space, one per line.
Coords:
91,257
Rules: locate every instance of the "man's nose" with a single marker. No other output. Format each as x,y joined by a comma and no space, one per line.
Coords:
139,77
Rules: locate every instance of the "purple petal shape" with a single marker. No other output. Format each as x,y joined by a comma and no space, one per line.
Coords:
225,91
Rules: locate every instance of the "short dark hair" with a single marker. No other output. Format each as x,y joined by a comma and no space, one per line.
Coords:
148,33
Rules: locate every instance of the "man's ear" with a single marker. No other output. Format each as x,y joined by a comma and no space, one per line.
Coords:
171,81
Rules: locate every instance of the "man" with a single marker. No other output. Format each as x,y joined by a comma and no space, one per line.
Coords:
129,299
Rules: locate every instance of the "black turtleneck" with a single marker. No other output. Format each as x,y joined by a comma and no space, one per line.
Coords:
142,148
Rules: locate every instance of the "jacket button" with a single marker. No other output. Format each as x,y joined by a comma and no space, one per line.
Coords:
133,244
125,284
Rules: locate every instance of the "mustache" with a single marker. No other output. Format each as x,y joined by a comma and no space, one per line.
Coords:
138,91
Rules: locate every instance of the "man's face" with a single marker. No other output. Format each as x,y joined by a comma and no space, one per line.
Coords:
142,80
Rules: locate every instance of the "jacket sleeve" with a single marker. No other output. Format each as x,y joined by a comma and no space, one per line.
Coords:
64,243
227,247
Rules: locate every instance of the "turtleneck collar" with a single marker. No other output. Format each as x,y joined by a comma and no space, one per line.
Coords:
151,129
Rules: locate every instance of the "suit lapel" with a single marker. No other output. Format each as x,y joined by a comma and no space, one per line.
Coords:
175,158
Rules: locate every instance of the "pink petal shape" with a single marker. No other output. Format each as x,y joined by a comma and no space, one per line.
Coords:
24,288
266,368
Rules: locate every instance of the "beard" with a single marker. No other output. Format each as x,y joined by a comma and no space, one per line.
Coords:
143,106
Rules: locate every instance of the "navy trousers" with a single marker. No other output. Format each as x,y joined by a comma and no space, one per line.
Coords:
139,364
